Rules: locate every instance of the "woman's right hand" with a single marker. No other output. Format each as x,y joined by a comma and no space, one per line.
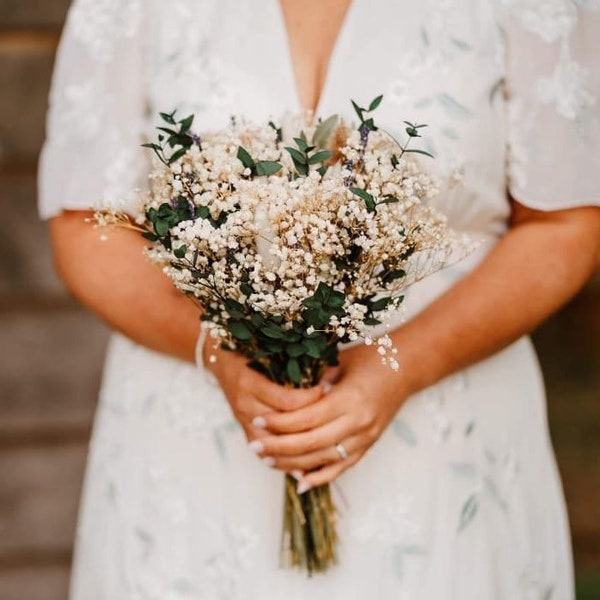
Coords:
250,394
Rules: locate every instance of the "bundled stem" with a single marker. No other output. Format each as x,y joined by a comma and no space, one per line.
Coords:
309,539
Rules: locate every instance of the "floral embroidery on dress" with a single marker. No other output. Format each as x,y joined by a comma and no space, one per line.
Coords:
99,24
489,481
79,112
388,520
551,20
568,88
226,568
533,584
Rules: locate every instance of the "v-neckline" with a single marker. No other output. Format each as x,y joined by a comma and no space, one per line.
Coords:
290,72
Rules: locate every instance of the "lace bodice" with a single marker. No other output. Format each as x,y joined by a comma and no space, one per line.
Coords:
509,89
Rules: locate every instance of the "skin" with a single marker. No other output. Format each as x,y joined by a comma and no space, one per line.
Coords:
296,430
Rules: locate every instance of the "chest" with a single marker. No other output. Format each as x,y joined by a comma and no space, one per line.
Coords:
436,61
312,29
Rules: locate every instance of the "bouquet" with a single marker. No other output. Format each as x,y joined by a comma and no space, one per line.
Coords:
292,246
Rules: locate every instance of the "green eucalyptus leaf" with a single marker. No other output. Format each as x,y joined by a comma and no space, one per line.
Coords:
393,275
301,143
168,118
186,123
246,289
177,155
296,350
266,167
273,332
257,320
359,111
180,252
375,103
372,322
239,330
202,212
324,131
369,200
320,157
161,227
297,156
389,200
379,305
293,371
244,156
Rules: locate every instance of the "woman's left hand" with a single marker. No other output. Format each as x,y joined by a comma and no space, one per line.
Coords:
363,400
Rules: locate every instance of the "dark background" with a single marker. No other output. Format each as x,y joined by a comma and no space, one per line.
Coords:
51,353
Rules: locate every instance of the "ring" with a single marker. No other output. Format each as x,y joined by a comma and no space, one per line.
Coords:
339,448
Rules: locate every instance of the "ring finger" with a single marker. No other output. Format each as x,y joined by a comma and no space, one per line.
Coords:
317,459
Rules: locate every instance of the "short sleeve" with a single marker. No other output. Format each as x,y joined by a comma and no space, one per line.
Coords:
92,157
553,101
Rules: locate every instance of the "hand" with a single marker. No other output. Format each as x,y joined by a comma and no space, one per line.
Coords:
356,411
251,395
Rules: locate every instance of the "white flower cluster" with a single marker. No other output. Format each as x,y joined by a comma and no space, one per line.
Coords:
267,242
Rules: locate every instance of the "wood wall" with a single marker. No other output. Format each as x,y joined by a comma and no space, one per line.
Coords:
51,351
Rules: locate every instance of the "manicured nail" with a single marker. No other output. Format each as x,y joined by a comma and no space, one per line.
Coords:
297,475
269,461
303,487
327,387
259,422
256,446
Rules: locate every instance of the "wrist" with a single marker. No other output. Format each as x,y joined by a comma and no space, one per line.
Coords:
205,355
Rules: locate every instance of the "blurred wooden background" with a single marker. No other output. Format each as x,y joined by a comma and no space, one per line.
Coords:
51,353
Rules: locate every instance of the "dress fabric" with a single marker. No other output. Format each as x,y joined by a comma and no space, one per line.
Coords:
460,498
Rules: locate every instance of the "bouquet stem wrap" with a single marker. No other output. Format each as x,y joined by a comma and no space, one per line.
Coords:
309,538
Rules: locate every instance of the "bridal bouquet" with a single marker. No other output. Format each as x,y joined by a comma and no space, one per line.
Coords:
292,246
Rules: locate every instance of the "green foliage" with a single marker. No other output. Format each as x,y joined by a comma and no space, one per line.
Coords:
260,168
324,131
286,353
306,155
165,218
176,136
370,202
365,120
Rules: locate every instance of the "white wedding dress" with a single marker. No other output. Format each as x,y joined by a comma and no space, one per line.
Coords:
460,498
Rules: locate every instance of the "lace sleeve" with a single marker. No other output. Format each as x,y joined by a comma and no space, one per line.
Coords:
92,154
553,86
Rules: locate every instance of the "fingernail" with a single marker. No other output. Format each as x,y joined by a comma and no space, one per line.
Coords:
256,446
303,487
259,422
297,475
269,461
327,387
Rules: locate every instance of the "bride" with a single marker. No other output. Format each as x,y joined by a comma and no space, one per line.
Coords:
444,473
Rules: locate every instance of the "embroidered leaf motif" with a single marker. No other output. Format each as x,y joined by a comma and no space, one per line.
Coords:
404,431
450,133
464,469
494,492
496,89
462,45
454,107
549,593
469,510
